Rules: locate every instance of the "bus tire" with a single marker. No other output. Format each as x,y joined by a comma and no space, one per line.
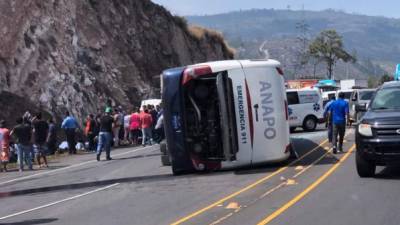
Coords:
310,123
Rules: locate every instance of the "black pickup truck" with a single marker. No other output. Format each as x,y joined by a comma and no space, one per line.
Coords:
378,133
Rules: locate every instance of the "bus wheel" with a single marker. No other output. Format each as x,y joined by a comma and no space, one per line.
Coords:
309,123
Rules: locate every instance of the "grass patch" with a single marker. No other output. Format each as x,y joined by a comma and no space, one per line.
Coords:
200,33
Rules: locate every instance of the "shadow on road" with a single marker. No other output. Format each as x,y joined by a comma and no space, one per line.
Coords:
302,146
301,131
32,222
75,186
138,156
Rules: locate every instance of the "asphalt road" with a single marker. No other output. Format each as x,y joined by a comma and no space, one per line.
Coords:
317,188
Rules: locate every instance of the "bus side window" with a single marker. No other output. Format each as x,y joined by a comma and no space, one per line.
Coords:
293,98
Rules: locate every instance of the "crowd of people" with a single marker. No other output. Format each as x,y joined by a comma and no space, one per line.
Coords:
34,138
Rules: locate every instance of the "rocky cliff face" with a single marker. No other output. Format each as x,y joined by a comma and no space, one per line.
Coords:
75,54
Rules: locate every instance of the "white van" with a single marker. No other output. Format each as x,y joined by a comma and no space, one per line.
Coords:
225,114
305,108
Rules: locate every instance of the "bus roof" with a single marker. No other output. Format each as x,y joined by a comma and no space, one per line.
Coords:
217,66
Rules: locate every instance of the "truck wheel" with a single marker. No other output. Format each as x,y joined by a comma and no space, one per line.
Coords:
309,123
163,148
165,160
364,167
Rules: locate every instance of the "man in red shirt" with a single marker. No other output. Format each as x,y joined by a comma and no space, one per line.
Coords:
146,122
134,126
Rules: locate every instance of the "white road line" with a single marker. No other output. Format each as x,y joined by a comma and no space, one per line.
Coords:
66,168
58,202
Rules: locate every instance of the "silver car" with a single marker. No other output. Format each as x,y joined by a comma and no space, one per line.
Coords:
359,97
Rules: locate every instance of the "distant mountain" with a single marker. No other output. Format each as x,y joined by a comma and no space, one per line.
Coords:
375,40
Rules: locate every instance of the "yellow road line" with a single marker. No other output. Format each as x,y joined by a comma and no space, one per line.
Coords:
279,185
196,213
306,191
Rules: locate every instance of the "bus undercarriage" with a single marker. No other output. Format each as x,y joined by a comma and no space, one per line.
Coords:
210,124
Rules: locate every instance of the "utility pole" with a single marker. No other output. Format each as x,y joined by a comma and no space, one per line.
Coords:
303,41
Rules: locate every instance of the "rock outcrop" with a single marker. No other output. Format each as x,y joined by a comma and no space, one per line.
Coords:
75,54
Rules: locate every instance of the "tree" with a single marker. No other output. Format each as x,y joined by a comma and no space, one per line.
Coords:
328,47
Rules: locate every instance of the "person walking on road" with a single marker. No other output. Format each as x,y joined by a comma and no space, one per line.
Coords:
121,117
51,137
159,129
70,125
105,135
127,119
340,115
146,122
90,128
40,133
23,134
4,146
328,118
116,128
134,126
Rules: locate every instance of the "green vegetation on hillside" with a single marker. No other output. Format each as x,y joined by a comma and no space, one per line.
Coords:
375,40
328,47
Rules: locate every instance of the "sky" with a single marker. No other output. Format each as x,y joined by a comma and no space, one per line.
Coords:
387,8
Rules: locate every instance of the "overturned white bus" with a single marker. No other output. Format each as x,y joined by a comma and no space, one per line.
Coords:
225,114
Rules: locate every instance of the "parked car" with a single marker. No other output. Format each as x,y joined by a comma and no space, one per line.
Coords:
305,108
378,133
359,97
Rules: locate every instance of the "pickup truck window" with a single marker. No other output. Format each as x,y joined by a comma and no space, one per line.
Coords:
386,99
366,95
